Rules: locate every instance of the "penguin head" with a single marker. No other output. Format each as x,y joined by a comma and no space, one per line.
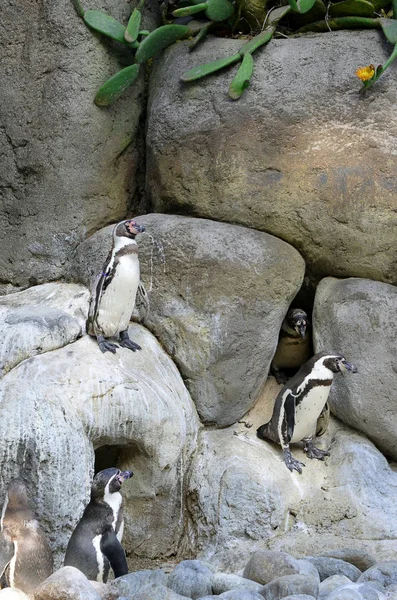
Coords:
337,363
296,321
128,229
108,481
17,495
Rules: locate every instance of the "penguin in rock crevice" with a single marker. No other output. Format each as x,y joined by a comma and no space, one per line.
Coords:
294,345
31,560
114,293
95,544
300,403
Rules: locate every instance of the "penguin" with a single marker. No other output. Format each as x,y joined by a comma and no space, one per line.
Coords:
114,292
31,561
299,405
95,544
293,348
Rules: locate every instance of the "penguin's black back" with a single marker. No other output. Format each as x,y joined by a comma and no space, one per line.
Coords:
96,521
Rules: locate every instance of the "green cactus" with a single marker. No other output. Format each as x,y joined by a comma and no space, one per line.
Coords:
304,14
359,8
160,38
132,30
107,26
116,85
215,10
242,78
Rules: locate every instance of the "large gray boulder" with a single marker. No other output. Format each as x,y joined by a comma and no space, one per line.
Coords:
67,166
58,407
357,317
299,155
242,498
218,295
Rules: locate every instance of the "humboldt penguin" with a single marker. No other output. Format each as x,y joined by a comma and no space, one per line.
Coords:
299,405
293,348
31,561
114,293
95,544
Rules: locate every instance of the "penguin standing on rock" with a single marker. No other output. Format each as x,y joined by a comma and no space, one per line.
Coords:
114,293
293,348
299,405
31,561
95,544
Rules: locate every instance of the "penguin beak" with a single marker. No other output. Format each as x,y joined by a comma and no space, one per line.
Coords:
136,228
346,367
302,330
123,475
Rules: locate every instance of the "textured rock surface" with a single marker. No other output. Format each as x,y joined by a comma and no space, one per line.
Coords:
384,573
64,404
67,583
127,585
327,566
39,320
357,316
157,592
330,584
299,156
66,168
355,591
358,558
191,578
224,582
242,498
265,565
290,585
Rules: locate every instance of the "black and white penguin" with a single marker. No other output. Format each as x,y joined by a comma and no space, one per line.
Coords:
114,293
31,562
95,544
293,348
299,405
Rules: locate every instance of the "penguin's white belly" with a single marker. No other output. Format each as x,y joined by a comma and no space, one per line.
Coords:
118,300
308,411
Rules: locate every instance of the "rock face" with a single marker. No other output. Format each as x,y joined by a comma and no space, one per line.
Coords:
72,400
357,316
69,584
43,325
65,161
299,156
218,295
243,498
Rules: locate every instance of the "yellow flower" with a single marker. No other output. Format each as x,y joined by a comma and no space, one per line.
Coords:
366,73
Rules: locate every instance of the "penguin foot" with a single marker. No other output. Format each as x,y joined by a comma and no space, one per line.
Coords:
106,346
125,341
293,464
312,452
279,376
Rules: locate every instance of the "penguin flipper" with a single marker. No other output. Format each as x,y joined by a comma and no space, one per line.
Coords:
113,550
323,420
141,310
288,424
